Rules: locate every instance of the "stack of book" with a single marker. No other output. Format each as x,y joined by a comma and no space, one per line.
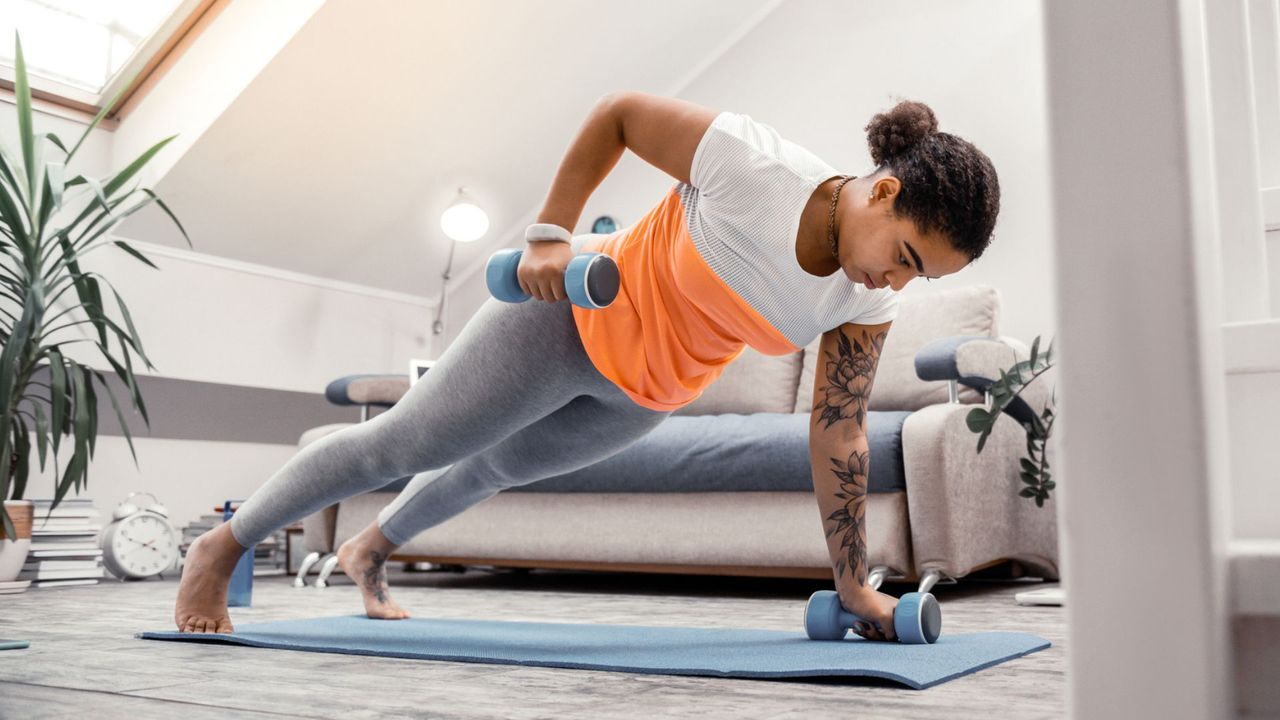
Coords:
268,555
64,544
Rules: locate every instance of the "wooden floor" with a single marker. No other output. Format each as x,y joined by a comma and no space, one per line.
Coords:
84,660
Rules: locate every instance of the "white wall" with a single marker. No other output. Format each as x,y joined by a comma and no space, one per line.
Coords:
189,478
1273,270
207,76
203,318
209,319
215,320
93,158
817,70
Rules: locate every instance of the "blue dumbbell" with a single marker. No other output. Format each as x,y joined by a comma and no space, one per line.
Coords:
591,280
917,619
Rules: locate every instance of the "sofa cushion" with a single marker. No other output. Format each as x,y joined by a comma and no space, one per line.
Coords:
922,318
726,453
753,383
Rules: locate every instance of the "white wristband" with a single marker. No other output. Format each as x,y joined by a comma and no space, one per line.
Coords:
546,232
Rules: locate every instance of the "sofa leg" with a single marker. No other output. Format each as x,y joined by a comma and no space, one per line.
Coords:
933,577
301,579
876,577
326,569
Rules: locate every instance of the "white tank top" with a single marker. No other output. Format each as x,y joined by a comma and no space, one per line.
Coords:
748,188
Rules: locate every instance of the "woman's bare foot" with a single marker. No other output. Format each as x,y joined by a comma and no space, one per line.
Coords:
363,558
202,595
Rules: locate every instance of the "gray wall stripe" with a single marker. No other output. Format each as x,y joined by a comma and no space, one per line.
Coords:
193,410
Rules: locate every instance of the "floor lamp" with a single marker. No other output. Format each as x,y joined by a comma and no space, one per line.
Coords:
463,221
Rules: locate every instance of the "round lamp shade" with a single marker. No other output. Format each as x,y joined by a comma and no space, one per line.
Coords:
464,222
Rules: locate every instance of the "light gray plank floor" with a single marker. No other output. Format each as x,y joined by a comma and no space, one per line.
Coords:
83,656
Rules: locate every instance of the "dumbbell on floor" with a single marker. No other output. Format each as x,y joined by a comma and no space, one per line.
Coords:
591,280
917,620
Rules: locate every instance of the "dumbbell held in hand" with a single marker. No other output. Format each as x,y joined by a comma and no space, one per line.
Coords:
591,280
917,620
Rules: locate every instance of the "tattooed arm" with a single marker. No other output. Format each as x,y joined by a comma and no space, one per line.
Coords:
839,451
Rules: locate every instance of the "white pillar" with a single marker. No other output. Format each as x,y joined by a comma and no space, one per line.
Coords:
1246,294
1264,64
1143,446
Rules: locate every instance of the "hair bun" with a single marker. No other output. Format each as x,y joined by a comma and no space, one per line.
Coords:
891,133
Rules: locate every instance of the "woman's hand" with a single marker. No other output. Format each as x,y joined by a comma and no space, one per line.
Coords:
876,610
541,270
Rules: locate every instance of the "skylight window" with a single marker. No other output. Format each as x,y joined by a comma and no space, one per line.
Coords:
84,50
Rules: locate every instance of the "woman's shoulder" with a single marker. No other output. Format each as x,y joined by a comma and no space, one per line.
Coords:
739,149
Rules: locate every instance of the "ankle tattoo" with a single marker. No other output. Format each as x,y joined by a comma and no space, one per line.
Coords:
375,576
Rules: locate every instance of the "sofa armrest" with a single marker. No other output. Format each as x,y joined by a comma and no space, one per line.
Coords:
976,361
380,390
964,507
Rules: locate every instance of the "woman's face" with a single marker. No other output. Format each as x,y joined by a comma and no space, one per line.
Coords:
879,249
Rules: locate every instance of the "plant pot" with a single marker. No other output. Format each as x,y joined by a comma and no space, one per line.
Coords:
13,551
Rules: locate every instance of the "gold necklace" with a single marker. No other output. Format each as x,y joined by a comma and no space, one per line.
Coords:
831,219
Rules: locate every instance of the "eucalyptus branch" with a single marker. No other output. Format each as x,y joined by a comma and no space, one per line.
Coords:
1034,471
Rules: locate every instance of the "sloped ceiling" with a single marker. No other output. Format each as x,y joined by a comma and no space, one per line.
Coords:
337,160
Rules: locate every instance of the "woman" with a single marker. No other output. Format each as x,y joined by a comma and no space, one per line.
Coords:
760,243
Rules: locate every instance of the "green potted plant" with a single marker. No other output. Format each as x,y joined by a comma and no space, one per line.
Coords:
48,222
1035,468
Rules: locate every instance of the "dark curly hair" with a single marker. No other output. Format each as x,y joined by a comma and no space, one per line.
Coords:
948,185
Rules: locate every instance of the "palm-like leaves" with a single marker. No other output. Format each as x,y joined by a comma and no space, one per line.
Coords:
40,253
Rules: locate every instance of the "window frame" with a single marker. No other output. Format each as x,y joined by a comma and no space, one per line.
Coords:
159,52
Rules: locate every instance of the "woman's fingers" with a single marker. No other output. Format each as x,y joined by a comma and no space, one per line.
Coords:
868,631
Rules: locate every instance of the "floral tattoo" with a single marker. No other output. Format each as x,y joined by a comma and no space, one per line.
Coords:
848,519
850,373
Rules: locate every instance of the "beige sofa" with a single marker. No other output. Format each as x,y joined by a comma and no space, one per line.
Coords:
960,511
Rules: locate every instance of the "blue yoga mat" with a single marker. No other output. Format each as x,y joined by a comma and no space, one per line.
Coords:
728,652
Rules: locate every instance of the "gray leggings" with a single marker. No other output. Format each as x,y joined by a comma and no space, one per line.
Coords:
514,399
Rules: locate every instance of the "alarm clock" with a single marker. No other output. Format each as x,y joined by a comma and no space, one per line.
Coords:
604,225
139,542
